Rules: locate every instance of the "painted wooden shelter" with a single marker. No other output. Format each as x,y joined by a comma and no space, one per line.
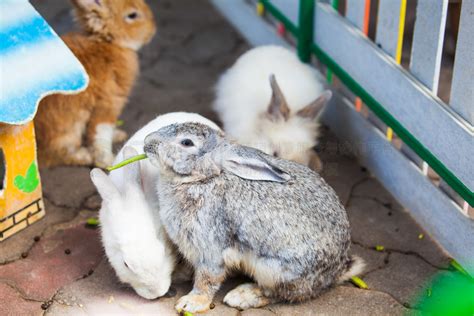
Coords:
419,146
34,62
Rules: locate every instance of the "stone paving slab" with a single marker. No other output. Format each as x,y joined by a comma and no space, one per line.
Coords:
392,228
194,44
344,300
13,303
13,248
75,184
54,261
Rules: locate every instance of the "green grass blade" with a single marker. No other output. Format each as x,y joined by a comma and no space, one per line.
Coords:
127,161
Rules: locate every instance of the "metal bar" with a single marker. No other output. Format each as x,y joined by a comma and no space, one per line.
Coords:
462,90
305,36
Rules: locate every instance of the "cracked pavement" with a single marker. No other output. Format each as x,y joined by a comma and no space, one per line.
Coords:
57,266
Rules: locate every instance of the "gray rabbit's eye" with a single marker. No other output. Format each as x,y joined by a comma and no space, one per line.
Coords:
187,142
275,154
126,265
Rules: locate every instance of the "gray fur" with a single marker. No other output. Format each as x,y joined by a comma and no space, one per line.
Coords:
294,223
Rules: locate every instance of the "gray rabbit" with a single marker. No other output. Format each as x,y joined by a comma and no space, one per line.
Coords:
229,207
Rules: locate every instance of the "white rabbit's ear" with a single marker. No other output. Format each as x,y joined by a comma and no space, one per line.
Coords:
278,106
251,166
104,185
312,110
131,171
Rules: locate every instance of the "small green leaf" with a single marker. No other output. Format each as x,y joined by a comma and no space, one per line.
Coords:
359,282
458,267
379,248
92,221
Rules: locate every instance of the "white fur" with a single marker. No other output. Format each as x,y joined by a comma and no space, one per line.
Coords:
265,271
131,230
356,269
103,144
136,249
243,94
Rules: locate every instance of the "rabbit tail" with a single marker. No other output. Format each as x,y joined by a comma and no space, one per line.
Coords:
354,266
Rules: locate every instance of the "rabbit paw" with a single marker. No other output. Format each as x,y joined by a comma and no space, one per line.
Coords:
245,296
82,156
119,135
193,303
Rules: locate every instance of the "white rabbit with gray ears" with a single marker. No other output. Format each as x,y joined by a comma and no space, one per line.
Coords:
228,206
278,118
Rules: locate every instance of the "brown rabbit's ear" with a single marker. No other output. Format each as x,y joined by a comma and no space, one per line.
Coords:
91,15
278,106
312,110
88,4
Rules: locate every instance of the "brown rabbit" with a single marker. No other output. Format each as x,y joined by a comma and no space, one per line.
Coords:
80,129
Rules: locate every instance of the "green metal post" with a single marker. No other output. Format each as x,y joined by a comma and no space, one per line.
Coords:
305,29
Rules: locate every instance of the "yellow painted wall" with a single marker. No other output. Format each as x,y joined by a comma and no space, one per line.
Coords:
19,148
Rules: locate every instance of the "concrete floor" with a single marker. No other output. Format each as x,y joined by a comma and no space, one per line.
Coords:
193,46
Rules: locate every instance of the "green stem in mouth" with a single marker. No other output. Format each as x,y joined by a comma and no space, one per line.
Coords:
127,161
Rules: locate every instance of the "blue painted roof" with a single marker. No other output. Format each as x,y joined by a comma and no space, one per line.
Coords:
34,62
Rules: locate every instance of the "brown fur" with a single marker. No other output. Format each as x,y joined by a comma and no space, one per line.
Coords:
66,124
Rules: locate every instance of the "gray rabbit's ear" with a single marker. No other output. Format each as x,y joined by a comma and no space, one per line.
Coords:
104,185
132,171
253,167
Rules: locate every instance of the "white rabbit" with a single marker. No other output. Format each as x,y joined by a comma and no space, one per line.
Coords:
282,123
132,235
135,247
